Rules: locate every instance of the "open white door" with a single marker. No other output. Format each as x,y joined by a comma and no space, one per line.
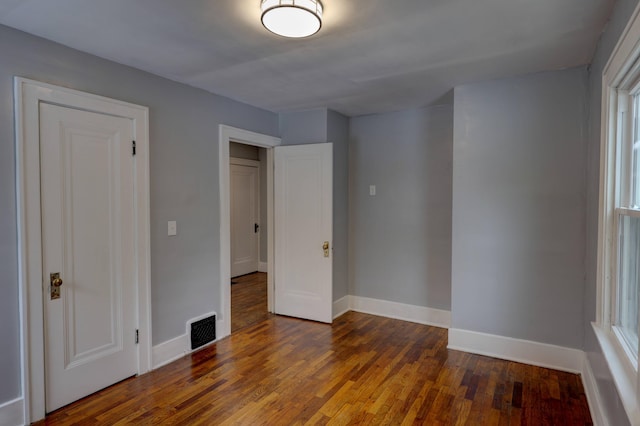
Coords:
303,189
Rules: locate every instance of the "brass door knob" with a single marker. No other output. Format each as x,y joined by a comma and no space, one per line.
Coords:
56,282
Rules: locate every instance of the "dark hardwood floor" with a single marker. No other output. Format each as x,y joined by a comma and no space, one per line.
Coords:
248,300
362,369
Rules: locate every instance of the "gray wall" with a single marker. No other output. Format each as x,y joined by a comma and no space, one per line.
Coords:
401,238
338,134
184,181
519,163
318,126
618,20
303,127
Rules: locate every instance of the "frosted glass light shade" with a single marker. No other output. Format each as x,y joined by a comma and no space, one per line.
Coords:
292,18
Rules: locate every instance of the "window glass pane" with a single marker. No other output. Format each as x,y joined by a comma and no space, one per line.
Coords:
628,278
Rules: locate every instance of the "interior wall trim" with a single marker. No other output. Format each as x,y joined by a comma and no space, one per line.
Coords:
395,310
524,351
12,412
594,400
341,306
169,351
166,352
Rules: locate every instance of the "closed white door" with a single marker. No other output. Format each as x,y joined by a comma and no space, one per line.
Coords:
88,239
245,211
303,229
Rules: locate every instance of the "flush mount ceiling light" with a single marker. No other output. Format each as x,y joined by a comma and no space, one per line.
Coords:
292,18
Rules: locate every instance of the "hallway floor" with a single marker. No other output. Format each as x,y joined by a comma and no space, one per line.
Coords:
248,300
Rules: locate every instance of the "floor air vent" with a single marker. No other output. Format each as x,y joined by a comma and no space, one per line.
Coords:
203,332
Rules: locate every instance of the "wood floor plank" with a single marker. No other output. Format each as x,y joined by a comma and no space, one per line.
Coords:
248,300
361,369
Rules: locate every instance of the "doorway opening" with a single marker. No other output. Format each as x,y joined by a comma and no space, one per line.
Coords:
299,196
249,242
228,136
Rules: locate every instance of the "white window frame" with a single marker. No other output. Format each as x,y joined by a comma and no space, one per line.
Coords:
620,77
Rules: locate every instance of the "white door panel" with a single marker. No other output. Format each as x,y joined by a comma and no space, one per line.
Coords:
245,205
88,237
303,212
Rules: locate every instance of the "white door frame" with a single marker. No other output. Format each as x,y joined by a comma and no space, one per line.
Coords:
229,134
28,94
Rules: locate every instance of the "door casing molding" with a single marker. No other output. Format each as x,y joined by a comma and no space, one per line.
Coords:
28,94
226,135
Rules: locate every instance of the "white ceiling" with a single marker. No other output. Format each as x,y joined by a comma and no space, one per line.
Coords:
370,56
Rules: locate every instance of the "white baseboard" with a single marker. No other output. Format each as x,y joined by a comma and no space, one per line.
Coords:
341,306
169,351
594,399
221,330
524,351
262,267
12,412
401,311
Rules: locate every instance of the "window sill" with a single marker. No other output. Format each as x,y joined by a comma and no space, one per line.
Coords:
624,375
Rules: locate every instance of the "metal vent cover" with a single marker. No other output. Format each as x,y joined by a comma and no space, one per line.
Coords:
203,332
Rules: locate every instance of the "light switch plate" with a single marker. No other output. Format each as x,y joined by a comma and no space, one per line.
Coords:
372,190
172,228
